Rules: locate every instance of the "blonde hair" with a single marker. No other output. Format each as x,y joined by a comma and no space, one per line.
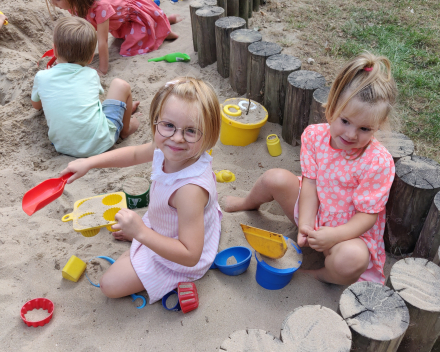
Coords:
367,78
75,40
192,91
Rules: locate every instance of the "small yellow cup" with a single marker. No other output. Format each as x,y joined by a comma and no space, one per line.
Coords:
74,269
273,145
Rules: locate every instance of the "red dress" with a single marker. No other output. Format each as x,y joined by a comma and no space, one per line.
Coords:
141,22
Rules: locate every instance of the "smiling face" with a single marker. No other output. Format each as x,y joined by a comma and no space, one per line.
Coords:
354,127
178,152
62,4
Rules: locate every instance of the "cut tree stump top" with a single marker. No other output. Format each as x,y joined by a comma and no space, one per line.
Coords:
246,36
417,281
283,62
230,22
308,80
419,172
264,49
321,94
201,3
210,11
374,311
397,144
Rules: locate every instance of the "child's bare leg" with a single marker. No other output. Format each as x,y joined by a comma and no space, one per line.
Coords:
172,35
174,18
275,184
120,90
344,263
135,106
120,279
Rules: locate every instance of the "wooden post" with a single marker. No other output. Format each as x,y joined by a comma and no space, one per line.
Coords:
256,5
240,40
223,28
307,328
258,53
243,10
376,315
205,24
436,259
417,281
299,95
415,185
193,7
224,5
278,67
397,144
250,8
429,239
317,112
233,8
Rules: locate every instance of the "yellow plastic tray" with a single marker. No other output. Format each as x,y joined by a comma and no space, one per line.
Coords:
269,244
113,202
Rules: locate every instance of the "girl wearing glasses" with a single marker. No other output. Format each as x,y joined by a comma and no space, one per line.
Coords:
178,237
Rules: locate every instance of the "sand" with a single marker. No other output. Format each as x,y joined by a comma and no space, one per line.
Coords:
35,249
135,186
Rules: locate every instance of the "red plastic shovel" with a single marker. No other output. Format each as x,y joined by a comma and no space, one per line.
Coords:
43,194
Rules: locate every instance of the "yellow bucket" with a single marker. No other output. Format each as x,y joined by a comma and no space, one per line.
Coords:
236,133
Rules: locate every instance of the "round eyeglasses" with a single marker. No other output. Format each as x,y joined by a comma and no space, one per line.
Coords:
167,130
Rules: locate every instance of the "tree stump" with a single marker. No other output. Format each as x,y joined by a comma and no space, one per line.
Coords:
436,259
223,28
278,68
397,144
205,24
429,240
233,8
193,7
243,10
256,5
299,95
224,5
415,185
417,281
317,112
376,315
250,8
307,328
240,40
258,53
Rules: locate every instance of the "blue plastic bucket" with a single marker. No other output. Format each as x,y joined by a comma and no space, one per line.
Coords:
272,278
242,256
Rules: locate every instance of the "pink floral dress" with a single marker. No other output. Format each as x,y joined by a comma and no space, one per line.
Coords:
141,22
345,186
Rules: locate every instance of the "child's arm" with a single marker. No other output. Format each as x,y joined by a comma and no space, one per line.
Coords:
37,104
122,157
190,201
326,237
307,208
103,29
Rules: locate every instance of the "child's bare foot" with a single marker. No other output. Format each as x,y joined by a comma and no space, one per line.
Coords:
232,204
134,125
120,236
135,106
174,18
172,36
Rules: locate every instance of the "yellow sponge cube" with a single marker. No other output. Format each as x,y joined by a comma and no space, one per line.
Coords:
74,269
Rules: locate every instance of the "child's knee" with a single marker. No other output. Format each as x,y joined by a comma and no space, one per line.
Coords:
121,84
105,284
278,178
351,262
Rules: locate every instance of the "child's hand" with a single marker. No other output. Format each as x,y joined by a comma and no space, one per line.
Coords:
322,239
303,233
78,167
129,222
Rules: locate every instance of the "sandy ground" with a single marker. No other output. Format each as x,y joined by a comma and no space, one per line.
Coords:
35,249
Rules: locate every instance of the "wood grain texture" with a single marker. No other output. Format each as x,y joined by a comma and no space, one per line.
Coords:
376,315
278,68
415,185
397,144
223,28
243,10
417,281
233,8
317,112
193,7
258,53
299,95
239,42
427,245
205,26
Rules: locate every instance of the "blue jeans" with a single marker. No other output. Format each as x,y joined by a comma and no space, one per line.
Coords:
114,112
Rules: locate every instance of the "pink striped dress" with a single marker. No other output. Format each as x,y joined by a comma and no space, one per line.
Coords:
158,275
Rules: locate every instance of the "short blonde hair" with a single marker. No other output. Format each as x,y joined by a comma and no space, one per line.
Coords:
75,40
367,78
194,91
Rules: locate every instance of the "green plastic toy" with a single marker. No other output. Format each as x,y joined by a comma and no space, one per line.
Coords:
174,57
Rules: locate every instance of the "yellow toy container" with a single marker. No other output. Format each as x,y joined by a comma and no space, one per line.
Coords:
273,145
74,269
5,22
108,207
236,133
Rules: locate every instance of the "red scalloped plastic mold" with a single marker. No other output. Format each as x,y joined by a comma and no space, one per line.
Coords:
188,297
37,303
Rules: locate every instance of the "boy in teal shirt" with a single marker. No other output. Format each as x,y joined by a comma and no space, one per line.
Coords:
79,125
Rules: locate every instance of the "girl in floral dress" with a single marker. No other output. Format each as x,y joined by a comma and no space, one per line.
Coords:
339,202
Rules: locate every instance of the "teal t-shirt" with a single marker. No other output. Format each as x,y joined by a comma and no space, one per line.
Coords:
69,94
